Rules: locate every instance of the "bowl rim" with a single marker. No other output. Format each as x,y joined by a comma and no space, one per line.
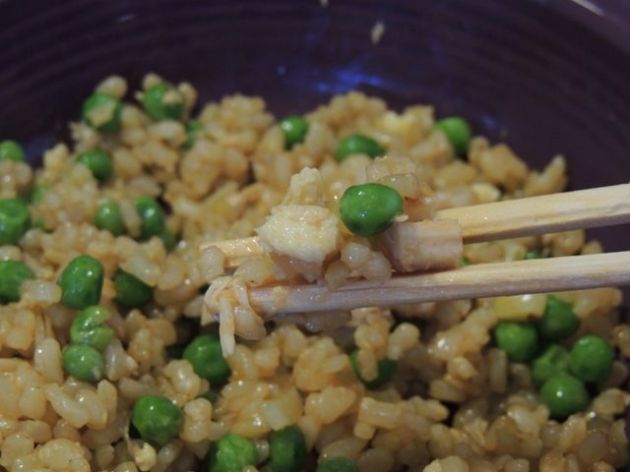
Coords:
609,19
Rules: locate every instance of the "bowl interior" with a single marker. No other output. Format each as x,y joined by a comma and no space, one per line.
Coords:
537,76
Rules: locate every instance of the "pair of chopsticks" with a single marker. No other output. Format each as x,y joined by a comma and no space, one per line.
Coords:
605,206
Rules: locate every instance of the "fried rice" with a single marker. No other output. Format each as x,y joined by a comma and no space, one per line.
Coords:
455,402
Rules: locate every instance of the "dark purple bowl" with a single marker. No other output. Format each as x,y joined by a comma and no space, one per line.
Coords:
547,76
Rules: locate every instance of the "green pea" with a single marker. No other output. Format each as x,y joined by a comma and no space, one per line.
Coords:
81,282
287,450
518,339
553,361
11,151
591,358
83,362
102,112
99,163
231,454
163,102
14,220
358,144
534,254
206,357
386,370
458,133
12,276
157,419
294,129
564,395
37,194
109,217
152,218
169,240
131,292
337,464
558,321
193,129
89,328
369,209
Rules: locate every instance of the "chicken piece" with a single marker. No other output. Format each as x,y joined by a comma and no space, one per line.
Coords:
308,233
423,245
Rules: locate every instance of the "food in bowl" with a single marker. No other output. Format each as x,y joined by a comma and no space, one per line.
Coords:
111,356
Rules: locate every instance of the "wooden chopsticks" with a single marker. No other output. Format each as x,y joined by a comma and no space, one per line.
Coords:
597,207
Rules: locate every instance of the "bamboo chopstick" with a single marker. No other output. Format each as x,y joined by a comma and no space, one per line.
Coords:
604,206
482,280
596,207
